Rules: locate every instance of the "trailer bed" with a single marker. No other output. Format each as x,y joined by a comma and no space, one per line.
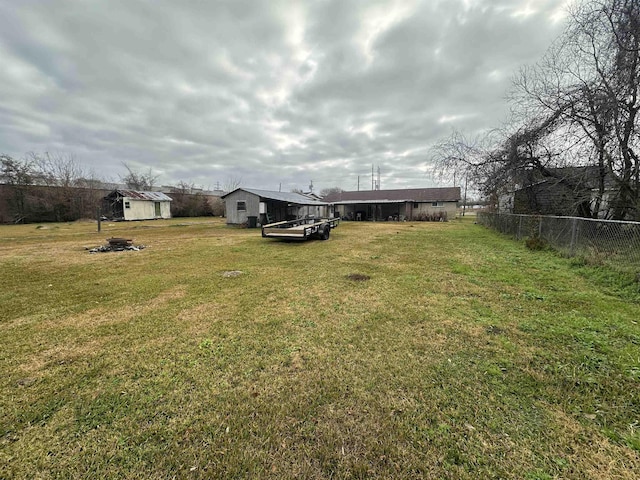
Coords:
301,229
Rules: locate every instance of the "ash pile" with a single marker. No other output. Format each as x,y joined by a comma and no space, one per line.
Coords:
117,245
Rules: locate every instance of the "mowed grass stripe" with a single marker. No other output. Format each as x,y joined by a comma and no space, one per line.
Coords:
393,350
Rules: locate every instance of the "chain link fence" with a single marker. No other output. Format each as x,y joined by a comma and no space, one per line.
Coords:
600,241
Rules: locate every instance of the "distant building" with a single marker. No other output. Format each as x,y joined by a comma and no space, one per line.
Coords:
136,205
402,204
253,206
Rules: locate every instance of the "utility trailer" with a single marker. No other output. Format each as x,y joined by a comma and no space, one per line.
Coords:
301,229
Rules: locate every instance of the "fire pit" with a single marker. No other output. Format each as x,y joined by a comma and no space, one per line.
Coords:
116,244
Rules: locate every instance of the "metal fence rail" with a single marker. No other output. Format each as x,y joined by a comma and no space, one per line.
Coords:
603,241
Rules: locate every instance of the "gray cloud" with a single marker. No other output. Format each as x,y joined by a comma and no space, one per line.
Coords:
274,92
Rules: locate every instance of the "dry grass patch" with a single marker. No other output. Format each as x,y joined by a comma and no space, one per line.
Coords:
60,355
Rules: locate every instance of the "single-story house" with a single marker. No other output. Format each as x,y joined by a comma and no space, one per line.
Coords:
568,191
549,197
402,204
136,205
252,206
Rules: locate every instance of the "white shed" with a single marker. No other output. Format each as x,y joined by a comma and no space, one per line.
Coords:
137,205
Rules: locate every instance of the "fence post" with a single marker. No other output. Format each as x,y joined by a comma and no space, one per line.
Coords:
540,228
574,231
519,236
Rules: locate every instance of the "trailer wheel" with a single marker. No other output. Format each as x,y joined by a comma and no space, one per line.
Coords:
325,233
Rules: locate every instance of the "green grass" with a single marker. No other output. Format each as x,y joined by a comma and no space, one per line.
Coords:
463,355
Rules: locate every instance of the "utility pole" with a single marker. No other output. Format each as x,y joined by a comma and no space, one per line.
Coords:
358,182
372,178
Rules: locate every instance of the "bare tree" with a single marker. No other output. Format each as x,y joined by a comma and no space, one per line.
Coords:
575,111
217,206
137,180
325,192
49,187
589,81
619,74
61,193
476,159
182,205
18,176
191,202
15,172
56,169
231,183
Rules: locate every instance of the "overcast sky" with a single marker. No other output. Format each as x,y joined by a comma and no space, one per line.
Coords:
269,92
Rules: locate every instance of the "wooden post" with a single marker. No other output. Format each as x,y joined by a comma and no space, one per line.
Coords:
99,219
574,232
540,227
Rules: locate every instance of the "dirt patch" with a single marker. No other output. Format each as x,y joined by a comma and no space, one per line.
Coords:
493,330
358,277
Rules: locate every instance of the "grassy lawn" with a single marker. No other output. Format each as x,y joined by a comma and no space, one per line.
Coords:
463,355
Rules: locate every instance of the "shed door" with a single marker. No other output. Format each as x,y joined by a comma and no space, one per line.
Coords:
158,211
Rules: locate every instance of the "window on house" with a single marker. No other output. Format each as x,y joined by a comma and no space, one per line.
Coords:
127,205
416,205
242,206
437,204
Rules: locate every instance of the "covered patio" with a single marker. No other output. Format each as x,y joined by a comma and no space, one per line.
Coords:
373,210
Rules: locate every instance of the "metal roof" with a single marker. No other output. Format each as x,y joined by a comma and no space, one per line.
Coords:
448,194
289,197
376,202
138,195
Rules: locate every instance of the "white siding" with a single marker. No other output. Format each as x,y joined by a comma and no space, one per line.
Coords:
144,209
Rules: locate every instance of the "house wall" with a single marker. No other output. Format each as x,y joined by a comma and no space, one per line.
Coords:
145,209
252,202
165,209
428,209
546,199
553,198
